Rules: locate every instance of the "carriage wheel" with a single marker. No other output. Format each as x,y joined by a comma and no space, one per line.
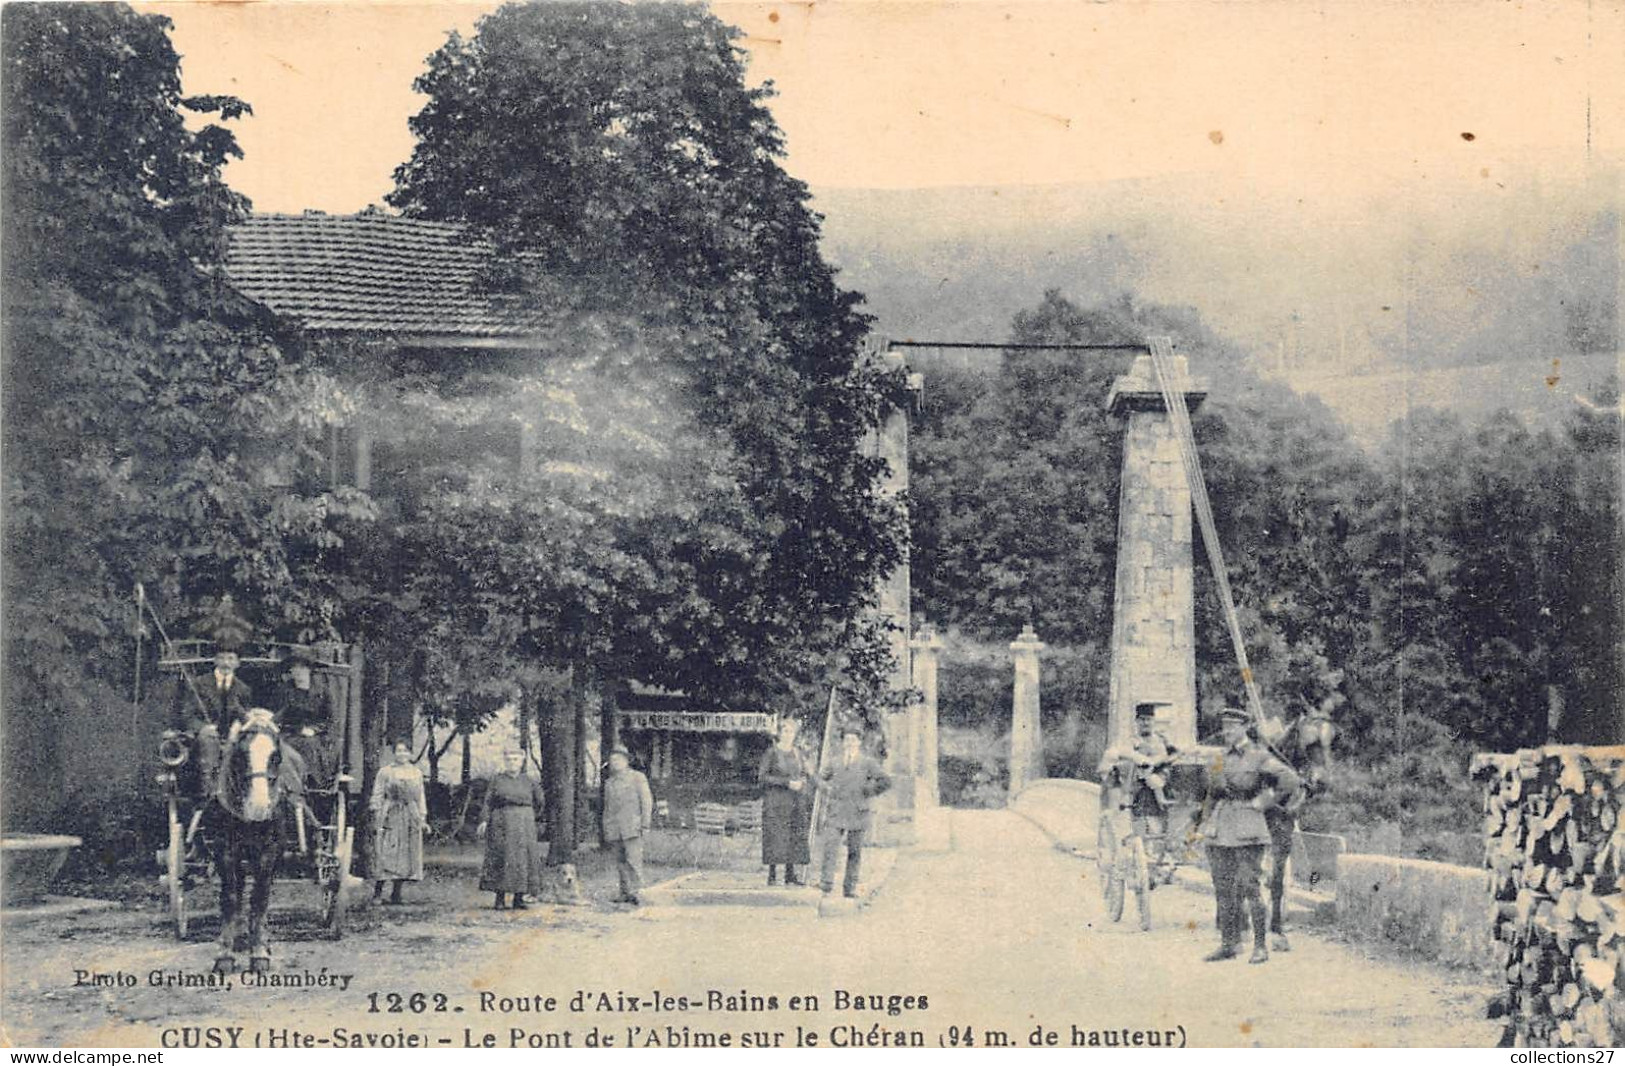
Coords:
176,869
335,907
1106,852
1138,871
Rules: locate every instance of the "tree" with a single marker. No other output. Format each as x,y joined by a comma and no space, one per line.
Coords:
700,511
1489,594
158,426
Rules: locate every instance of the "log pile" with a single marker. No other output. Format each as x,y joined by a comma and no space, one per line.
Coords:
1554,825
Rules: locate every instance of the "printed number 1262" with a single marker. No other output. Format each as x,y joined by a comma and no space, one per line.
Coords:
416,1003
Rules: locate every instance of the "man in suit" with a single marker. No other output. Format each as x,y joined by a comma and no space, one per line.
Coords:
849,787
227,695
205,708
215,699
629,810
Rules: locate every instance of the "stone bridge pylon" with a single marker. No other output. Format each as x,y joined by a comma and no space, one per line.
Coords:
1153,646
1153,608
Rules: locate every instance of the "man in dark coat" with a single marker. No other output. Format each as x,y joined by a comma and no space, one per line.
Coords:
302,715
298,700
225,697
849,788
205,708
1243,783
629,810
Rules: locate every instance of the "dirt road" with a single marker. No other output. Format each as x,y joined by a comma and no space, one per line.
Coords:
993,939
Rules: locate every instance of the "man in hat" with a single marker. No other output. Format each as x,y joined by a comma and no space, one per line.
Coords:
225,698
849,787
302,715
215,700
297,699
1245,781
629,809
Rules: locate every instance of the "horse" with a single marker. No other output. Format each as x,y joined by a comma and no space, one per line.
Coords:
1305,746
256,788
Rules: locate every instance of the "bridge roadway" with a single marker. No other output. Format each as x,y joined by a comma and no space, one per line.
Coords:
999,934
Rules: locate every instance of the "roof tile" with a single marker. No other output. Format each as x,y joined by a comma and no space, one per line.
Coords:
372,273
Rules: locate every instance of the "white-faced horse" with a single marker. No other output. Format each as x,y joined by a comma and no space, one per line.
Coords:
248,825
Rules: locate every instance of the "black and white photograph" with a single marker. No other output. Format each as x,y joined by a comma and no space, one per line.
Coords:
857,524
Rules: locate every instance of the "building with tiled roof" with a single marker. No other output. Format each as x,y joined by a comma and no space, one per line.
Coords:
411,281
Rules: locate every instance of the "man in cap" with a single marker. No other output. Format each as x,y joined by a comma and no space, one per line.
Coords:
205,707
225,697
629,809
1244,781
1152,753
849,787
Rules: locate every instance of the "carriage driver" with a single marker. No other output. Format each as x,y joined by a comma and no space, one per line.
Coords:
216,699
205,709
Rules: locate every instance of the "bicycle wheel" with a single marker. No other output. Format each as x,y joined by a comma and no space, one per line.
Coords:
1116,885
1137,869
1106,853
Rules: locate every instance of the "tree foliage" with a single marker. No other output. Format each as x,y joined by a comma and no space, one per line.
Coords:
699,511
158,427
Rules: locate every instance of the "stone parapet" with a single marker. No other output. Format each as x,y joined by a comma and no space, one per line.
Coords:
1434,909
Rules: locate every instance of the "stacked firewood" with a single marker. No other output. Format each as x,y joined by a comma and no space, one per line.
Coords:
1554,825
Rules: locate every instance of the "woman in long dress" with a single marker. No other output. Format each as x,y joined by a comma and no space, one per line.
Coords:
400,813
783,774
513,806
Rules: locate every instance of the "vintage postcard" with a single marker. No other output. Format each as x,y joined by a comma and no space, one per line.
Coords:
850,524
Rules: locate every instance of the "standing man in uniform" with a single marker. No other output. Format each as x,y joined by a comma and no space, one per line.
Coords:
849,787
1244,782
629,810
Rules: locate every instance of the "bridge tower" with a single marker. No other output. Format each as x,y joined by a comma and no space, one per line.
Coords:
1153,609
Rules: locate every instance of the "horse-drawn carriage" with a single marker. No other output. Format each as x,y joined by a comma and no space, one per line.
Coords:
1142,842
240,802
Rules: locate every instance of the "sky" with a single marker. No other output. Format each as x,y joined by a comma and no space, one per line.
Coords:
1339,100
1303,151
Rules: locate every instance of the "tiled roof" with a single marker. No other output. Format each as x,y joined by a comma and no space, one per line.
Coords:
372,273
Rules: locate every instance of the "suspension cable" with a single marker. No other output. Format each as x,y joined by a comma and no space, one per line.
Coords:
1179,416
991,346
